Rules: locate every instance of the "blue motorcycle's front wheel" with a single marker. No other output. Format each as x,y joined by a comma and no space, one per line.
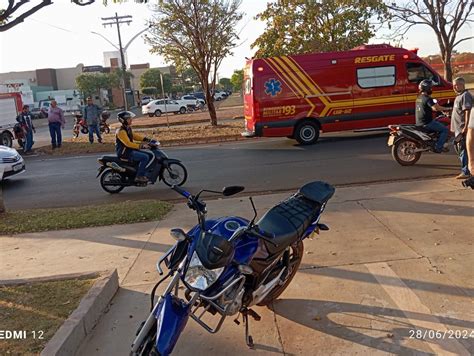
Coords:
148,348
296,255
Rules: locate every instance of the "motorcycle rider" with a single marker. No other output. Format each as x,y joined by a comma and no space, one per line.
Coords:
128,144
425,105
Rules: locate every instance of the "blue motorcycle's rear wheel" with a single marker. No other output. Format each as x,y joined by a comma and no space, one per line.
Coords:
296,255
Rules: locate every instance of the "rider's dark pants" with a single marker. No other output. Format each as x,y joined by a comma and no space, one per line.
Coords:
142,159
443,133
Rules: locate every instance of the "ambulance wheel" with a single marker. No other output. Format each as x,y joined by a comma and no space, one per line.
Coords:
306,133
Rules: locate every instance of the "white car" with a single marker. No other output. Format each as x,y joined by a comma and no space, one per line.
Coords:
219,95
191,100
158,107
11,162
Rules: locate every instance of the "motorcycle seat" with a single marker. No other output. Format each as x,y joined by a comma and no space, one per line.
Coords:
289,220
114,159
319,192
123,162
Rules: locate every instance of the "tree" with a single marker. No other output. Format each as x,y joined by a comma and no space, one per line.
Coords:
237,79
17,11
302,26
152,78
150,91
117,75
199,33
225,83
91,83
189,77
445,17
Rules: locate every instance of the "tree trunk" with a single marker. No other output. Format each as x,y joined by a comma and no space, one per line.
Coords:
448,70
212,112
210,104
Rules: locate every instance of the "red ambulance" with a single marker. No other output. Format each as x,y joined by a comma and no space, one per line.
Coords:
366,88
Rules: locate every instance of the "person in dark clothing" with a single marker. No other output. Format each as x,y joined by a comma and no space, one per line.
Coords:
92,116
425,105
25,119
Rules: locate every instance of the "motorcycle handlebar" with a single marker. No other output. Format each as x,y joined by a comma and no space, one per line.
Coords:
181,191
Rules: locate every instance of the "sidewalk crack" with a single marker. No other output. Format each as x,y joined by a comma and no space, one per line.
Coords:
387,228
280,340
140,252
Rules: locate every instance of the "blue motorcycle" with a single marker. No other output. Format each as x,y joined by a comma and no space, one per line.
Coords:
229,264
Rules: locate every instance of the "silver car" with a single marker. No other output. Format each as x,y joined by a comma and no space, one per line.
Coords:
11,162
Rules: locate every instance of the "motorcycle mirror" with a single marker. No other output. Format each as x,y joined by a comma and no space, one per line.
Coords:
234,189
178,234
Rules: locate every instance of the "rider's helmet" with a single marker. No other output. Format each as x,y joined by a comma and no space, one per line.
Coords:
124,116
105,115
425,86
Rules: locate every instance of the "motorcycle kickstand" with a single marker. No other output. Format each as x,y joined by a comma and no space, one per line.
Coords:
248,338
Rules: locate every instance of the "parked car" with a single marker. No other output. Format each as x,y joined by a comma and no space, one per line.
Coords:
220,95
158,107
145,100
191,100
39,113
11,162
200,95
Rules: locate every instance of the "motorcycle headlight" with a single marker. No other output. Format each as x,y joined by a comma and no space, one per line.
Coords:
198,276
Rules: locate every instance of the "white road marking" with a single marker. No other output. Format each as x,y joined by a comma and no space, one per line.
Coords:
409,304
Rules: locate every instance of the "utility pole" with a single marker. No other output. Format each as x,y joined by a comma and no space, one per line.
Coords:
118,20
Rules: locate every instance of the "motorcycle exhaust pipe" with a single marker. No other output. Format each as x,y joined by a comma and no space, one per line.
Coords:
420,150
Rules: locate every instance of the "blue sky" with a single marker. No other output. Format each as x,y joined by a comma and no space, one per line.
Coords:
58,36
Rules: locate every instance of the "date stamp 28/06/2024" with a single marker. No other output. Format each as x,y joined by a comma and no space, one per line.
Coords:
421,334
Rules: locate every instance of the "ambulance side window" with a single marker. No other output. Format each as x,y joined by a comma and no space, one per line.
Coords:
248,86
376,77
416,72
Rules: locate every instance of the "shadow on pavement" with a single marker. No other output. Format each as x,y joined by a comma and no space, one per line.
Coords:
341,273
396,324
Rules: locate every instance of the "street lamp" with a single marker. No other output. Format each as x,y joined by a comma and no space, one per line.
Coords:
122,51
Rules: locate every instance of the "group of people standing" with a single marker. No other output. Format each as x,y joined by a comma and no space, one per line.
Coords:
56,123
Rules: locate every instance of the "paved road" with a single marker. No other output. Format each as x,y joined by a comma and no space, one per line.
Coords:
260,165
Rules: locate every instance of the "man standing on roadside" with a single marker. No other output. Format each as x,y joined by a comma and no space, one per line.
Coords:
56,122
460,122
92,116
25,119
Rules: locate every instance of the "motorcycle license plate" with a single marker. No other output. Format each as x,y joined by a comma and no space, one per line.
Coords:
391,140
17,167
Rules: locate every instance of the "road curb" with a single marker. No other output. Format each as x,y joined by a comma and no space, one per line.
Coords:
69,337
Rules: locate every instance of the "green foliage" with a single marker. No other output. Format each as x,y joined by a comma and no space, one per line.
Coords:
152,79
150,91
116,77
189,77
91,83
199,34
303,26
225,83
237,79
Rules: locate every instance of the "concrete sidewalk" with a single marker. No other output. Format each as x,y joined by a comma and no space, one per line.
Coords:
397,263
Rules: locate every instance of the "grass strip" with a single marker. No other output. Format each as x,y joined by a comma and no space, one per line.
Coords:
127,212
182,134
37,309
